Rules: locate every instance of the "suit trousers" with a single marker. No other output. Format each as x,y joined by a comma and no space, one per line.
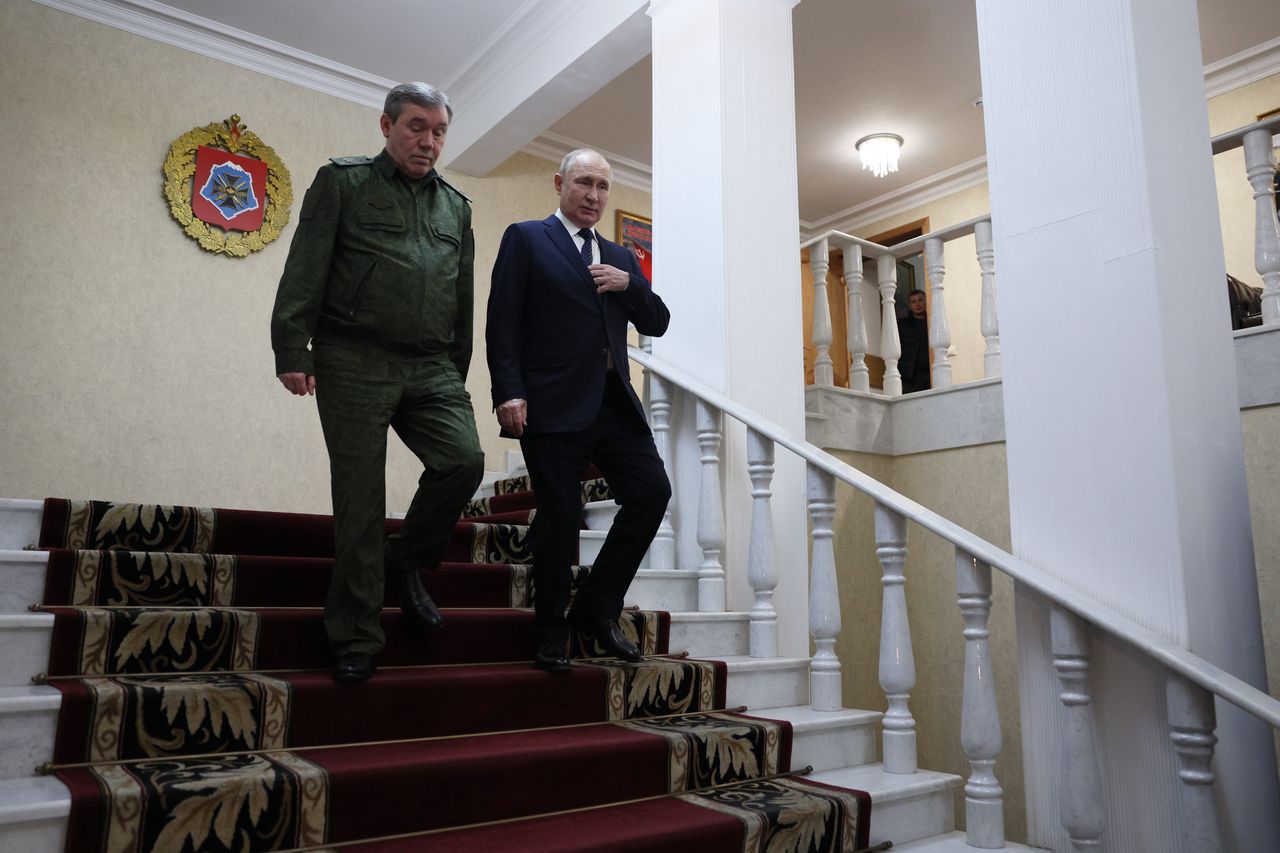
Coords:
621,446
359,394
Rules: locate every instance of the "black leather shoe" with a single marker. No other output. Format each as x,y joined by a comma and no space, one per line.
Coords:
550,657
416,603
608,635
354,667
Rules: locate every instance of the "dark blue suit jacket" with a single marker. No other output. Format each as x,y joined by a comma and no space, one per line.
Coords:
548,330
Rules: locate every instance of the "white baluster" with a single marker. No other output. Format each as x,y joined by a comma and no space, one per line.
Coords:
858,374
897,665
825,692
1081,794
1266,234
762,562
939,331
710,512
979,717
819,264
989,323
1191,724
663,550
890,345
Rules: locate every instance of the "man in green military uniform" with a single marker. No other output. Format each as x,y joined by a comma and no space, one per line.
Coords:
373,315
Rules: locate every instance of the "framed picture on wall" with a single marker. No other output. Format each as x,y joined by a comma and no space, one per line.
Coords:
635,232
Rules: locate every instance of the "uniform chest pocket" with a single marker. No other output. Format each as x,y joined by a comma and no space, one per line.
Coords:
447,232
377,217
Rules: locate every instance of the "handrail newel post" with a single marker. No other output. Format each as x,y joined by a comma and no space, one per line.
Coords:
939,331
1266,246
989,322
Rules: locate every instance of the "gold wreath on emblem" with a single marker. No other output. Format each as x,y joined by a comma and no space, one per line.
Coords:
180,166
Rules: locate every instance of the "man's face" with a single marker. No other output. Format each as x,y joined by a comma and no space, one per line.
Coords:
416,138
584,192
916,303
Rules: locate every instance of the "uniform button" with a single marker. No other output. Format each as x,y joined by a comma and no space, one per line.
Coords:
604,350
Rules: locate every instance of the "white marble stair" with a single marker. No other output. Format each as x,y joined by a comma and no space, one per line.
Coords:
950,842
904,807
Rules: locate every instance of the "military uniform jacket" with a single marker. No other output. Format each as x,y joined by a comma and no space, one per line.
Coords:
379,262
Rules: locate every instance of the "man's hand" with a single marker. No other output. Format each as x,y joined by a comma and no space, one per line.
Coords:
301,384
512,416
609,278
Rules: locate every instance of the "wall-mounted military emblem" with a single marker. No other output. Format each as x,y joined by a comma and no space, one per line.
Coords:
228,189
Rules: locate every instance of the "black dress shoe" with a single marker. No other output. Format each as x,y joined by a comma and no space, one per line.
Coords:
608,635
354,667
416,603
550,657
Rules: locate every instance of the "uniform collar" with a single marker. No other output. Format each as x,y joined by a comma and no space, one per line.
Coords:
570,227
388,169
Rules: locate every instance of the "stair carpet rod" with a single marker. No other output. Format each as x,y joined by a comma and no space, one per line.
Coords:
42,678
804,771
49,767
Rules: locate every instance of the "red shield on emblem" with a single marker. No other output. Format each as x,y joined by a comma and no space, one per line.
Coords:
228,190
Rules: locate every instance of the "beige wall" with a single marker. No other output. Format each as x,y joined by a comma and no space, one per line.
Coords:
136,365
964,283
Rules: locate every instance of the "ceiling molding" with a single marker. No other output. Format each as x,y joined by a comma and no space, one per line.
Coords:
236,47
922,192
1247,66
553,147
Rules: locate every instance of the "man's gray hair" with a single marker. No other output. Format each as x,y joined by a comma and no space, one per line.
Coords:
577,154
423,94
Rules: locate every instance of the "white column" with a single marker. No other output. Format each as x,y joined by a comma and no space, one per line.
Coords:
819,263
762,560
1124,454
939,332
979,716
1260,165
989,321
735,320
890,344
710,511
859,380
824,596
1191,722
897,664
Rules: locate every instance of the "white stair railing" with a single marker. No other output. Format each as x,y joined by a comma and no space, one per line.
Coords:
887,257
1260,171
1074,618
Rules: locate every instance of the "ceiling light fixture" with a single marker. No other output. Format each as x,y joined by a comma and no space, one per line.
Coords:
879,152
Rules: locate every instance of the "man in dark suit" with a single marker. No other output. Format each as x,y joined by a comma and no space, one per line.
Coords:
559,306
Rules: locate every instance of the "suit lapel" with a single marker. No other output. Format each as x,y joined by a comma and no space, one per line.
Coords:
560,236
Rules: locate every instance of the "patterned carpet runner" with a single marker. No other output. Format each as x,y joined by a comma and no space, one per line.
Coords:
198,713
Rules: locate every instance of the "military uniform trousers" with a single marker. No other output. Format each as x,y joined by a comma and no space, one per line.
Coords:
359,394
621,446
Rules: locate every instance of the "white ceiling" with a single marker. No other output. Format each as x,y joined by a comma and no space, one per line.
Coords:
862,66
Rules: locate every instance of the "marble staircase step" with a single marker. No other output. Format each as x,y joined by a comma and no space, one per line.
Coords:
25,639
664,589
19,523
827,740
33,814
950,842
904,807
28,722
709,635
766,682
21,579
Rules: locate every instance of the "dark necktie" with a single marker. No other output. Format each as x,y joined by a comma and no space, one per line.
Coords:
585,234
